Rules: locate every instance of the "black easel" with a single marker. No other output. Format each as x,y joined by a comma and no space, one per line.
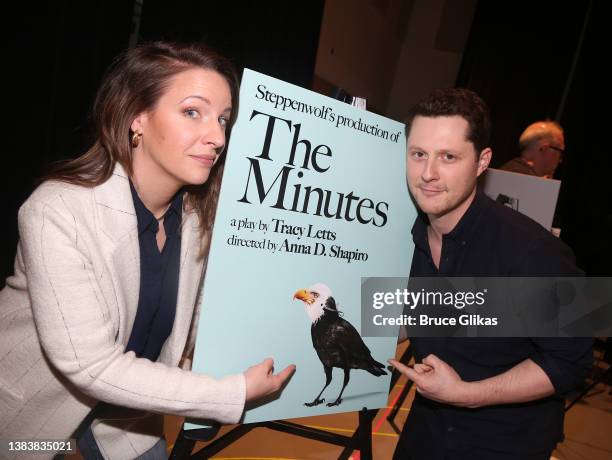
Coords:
605,347
405,359
605,377
361,439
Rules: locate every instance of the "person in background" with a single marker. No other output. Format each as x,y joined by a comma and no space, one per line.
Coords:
541,148
102,307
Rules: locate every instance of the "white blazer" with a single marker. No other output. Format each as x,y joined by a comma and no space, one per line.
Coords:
66,316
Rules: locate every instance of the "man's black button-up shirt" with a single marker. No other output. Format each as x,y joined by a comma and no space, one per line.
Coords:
494,240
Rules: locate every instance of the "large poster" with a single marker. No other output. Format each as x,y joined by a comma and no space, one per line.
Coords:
314,198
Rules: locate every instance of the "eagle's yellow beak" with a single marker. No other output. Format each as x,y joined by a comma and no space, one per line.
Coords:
304,295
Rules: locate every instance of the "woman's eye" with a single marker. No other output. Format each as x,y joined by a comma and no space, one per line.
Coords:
223,121
191,113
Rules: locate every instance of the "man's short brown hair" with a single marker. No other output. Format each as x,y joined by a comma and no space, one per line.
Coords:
460,102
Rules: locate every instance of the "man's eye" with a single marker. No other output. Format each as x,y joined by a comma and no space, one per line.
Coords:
449,157
418,154
191,113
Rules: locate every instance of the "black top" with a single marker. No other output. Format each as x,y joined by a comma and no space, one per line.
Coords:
159,277
519,165
494,240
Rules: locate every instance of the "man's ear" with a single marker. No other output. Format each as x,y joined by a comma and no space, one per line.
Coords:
483,160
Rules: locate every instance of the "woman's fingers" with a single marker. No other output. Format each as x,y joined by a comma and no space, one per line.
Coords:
261,381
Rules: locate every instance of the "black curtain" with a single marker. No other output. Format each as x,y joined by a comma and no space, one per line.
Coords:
56,53
536,60
586,196
275,37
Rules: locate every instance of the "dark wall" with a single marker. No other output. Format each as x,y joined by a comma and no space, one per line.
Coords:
54,54
278,37
57,52
586,196
519,58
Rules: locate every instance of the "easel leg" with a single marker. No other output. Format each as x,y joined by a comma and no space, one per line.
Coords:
362,437
365,433
405,359
182,447
221,443
399,402
606,375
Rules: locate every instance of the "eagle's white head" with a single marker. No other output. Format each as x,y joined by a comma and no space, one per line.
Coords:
314,299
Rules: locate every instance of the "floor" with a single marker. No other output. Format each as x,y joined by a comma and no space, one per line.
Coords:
588,428
588,431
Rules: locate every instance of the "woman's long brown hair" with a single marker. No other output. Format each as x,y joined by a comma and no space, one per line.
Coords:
133,84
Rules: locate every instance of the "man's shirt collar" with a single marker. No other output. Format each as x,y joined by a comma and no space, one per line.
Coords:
461,233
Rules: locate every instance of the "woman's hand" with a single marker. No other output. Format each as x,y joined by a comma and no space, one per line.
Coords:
261,381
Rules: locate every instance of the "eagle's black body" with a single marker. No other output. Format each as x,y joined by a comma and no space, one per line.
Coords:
338,344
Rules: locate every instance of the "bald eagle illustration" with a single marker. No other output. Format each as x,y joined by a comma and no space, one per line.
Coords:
336,341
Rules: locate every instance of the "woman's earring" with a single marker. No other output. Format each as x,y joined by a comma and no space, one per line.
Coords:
136,139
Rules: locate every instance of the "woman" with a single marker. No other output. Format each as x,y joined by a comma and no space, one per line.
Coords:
101,308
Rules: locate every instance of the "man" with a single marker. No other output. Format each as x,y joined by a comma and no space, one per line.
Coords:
541,148
479,398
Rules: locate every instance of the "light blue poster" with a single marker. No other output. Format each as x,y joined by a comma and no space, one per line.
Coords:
314,198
